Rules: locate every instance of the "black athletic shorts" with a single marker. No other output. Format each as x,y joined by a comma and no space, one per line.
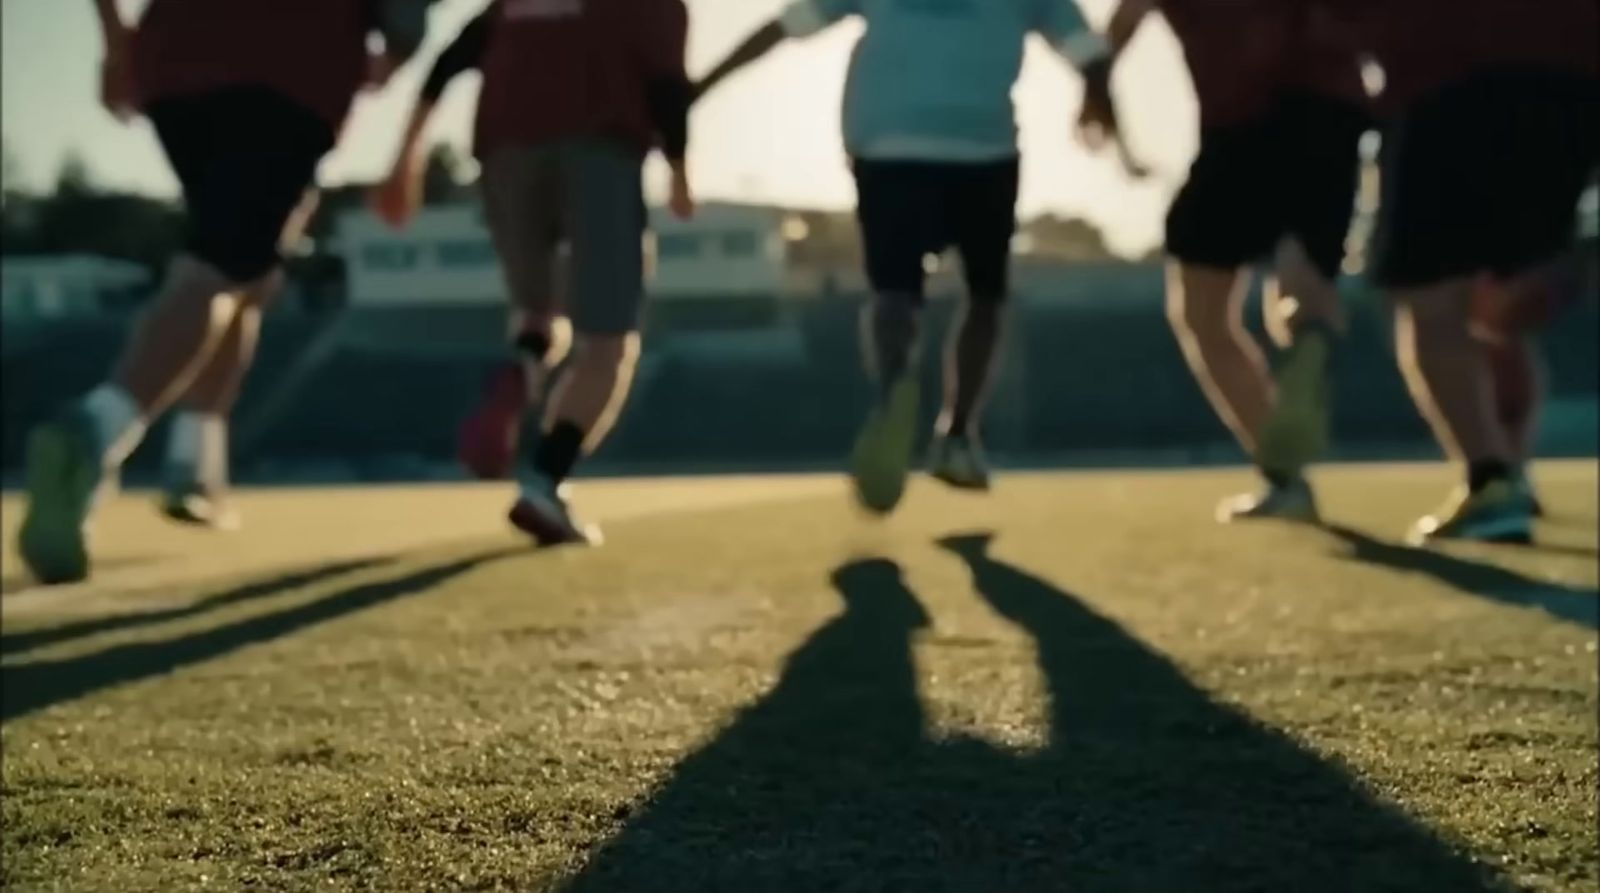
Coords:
910,209
245,157
1292,171
1485,175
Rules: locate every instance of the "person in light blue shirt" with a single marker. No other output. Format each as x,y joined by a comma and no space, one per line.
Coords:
931,131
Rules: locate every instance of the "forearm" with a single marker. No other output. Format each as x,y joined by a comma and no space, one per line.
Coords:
754,47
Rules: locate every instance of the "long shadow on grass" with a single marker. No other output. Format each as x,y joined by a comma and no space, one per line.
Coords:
35,686
831,782
1488,581
16,643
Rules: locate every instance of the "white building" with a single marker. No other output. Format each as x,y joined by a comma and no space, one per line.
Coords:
53,286
724,250
446,257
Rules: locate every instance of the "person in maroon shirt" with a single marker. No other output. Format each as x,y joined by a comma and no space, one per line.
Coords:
1282,112
575,94
1495,132
244,121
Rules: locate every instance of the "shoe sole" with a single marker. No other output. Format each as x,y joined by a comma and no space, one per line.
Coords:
52,541
1226,517
178,510
548,534
960,483
881,460
1508,531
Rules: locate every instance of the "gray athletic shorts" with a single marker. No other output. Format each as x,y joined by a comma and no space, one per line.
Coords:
586,195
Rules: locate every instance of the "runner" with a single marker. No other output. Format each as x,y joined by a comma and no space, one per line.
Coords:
1496,135
562,166
244,122
1282,112
932,134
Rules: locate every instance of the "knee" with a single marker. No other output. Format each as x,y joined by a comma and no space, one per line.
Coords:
547,341
260,293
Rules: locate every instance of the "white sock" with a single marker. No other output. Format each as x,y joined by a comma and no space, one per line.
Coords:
118,423
199,446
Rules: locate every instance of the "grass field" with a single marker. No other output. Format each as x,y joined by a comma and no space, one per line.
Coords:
1079,683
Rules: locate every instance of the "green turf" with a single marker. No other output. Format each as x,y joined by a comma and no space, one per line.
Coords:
1109,693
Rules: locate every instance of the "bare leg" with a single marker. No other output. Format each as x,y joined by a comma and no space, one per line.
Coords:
171,343
971,357
593,391
586,401
177,336
1205,307
1519,385
197,447
216,386
1448,373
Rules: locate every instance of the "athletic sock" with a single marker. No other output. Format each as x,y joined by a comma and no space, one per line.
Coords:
116,423
558,451
197,451
1485,472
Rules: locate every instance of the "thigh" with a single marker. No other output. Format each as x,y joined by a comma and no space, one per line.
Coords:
522,202
261,161
900,208
1226,214
984,219
606,224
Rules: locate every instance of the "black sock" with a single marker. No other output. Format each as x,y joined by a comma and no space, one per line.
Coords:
1482,474
558,451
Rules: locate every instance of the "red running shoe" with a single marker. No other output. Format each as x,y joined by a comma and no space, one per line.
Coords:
487,441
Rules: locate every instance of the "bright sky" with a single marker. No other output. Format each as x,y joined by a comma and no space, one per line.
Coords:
769,135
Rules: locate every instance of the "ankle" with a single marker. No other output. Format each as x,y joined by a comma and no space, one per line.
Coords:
1485,472
116,420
